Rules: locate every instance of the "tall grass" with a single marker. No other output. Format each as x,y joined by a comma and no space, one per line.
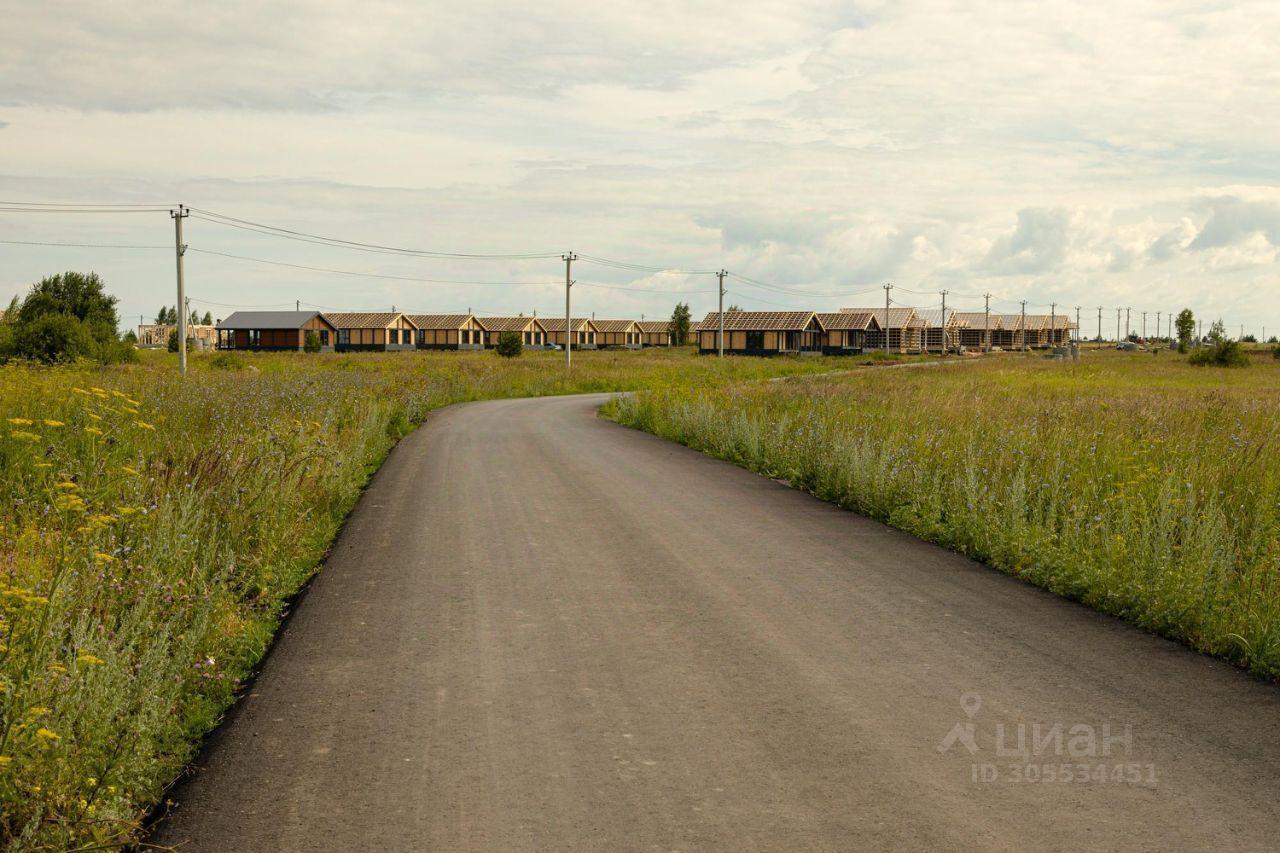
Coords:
153,528
1136,484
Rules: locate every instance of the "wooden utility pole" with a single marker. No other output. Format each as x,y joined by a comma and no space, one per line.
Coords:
569,258
1099,324
1117,325
1077,327
887,288
944,326
1053,324
1022,340
720,331
179,249
1126,323
986,324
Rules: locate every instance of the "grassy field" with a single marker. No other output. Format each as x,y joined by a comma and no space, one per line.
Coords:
1136,483
153,527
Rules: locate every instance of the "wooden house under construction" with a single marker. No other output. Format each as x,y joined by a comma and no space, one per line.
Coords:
654,333
762,332
447,331
901,326
846,332
939,331
617,333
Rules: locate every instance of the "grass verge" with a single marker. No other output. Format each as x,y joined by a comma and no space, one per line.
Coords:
1137,484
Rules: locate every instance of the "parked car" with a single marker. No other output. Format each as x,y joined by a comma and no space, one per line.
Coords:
1126,345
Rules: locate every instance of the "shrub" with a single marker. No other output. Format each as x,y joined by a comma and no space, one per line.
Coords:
1221,353
509,345
311,343
226,361
173,340
53,338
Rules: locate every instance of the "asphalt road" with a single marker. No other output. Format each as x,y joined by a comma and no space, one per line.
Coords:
540,630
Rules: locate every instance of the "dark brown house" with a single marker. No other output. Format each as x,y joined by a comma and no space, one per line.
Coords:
275,330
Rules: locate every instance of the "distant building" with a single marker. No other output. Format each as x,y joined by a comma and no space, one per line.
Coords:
156,335
372,331
447,331
274,330
530,329
762,332
654,333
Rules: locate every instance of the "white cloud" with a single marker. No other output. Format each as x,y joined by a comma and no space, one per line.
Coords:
1057,150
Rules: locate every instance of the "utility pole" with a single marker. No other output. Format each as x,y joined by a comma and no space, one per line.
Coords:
720,315
1158,325
944,326
297,305
1077,326
1117,325
1126,323
1022,335
1053,324
568,258
887,288
179,250
1144,327
986,324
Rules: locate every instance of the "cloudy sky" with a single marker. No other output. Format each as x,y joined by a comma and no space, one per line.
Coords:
1095,154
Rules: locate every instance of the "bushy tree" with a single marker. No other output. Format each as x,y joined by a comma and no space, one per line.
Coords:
65,317
311,341
1186,326
173,340
679,325
207,319
509,345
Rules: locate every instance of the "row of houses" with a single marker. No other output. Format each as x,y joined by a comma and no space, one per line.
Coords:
392,330
899,329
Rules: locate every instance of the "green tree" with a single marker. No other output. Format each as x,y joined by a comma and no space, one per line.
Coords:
130,337
509,345
52,338
311,342
732,309
207,319
679,325
173,340
1186,326
162,316
194,319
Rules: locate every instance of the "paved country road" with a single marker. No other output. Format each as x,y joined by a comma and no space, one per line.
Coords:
540,630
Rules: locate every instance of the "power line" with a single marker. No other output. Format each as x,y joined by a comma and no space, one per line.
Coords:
80,245
222,219
365,274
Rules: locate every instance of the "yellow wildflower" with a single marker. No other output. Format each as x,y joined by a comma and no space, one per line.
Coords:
44,464
89,660
4,759
102,559
102,520
127,510
80,390
133,403
57,667
145,425
21,421
52,423
67,485
93,430
22,435
37,711
130,471
115,393
95,417
48,734
132,411
70,503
